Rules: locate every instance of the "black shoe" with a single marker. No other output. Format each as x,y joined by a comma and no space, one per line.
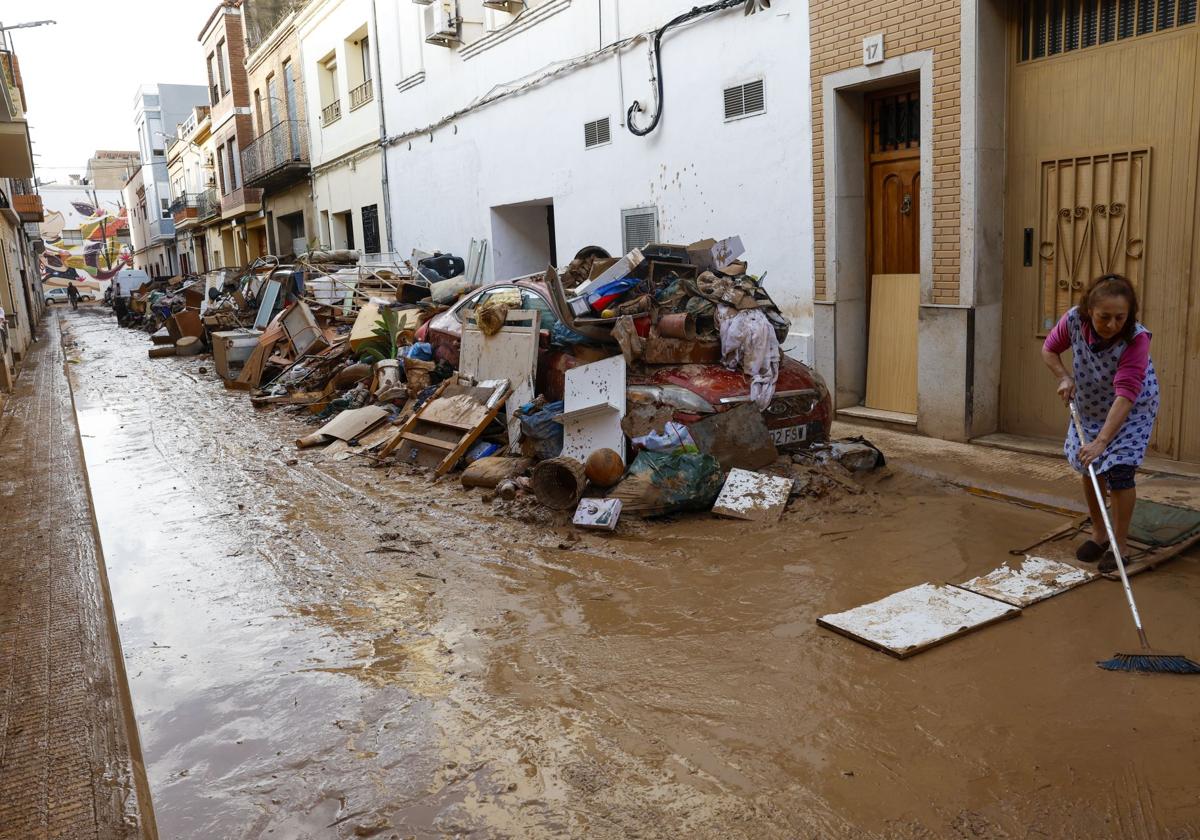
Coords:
1108,563
1090,551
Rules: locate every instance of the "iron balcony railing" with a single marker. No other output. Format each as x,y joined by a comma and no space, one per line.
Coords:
209,204
284,145
361,95
162,229
332,112
185,207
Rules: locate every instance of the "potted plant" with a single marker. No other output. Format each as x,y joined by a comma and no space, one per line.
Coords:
383,352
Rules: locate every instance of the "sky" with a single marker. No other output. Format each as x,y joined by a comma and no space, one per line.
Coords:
81,75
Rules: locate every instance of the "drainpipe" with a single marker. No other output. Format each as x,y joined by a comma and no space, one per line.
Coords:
387,201
620,71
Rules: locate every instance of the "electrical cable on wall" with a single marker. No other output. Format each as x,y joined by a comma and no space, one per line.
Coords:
656,77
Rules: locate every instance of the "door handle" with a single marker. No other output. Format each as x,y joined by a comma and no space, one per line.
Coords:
906,204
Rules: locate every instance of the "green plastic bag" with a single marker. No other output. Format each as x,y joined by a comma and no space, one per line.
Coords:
658,483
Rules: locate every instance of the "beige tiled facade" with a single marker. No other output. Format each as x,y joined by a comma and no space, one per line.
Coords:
837,31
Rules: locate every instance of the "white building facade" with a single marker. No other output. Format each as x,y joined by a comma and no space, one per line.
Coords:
158,109
342,103
512,127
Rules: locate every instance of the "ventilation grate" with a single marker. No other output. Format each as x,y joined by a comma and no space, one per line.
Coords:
639,226
744,100
596,133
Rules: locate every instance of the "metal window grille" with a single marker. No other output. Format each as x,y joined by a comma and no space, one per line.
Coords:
1054,27
639,227
596,133
745,100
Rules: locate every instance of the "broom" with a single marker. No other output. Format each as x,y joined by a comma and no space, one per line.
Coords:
1145,662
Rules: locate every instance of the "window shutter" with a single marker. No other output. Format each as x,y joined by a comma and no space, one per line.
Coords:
745,100
596,133
639,226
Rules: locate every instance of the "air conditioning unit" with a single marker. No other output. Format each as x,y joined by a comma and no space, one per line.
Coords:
441,23
510,6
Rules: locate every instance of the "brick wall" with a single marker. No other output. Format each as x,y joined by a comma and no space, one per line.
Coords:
228,27
838,28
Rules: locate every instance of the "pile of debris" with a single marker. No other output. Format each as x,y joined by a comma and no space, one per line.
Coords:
649,384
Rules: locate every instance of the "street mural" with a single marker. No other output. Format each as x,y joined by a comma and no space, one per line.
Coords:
98,258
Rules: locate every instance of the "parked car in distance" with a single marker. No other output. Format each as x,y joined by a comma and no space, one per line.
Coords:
59,295
800,413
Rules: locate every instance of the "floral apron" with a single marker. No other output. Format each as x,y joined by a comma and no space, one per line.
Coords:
1094,395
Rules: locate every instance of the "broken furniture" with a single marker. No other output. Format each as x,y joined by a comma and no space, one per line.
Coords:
511,353
347,426
443,429
593,405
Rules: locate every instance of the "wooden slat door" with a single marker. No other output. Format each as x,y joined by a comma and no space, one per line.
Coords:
1083,128
894,223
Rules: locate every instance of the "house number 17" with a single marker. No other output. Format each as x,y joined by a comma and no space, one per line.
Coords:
873,49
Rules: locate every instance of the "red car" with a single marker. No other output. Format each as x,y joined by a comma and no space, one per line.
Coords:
799,414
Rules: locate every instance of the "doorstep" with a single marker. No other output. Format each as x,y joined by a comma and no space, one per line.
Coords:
882,417
1053,449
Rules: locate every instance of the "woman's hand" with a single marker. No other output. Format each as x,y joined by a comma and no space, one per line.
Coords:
1092,451
1066,389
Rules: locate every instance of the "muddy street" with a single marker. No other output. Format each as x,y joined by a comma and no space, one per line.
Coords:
319,648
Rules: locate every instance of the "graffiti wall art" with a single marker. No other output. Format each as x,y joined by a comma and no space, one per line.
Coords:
94,253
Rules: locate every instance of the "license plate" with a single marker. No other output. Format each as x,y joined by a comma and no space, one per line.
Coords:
789,434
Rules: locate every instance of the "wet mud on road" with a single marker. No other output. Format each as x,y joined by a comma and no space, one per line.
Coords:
317,648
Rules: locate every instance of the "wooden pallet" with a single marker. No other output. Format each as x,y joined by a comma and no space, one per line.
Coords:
1143,557
442,431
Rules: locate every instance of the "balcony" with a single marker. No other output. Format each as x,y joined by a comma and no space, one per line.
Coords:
185,210
240,202
209,205
16,155
161,230
277,158
361,95
28,207
331,113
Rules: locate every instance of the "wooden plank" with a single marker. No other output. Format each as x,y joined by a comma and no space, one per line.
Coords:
914,620
892,347
1029,581
426,440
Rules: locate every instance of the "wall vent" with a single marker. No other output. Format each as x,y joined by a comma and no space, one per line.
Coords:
639,227
745,100
596,133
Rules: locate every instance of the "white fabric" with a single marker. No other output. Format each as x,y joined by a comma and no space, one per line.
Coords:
748,342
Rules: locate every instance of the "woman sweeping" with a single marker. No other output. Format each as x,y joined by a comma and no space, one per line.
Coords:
1116,393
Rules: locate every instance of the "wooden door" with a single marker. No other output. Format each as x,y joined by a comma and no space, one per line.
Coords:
1103,137
894,223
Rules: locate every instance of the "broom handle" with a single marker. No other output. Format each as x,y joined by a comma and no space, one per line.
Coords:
1112,537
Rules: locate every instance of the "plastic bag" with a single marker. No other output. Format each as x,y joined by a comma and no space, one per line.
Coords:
667,482
541,434
675,437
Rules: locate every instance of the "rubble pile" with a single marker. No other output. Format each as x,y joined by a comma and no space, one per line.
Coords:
645,385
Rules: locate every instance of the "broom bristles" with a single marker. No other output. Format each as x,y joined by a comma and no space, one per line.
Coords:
1150,663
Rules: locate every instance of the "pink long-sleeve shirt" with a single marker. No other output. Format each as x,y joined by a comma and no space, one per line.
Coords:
1131,369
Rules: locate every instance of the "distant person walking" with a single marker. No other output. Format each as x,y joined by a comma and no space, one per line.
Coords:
1115,390
73,295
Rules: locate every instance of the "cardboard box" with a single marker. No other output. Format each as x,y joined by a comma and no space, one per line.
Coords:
712,254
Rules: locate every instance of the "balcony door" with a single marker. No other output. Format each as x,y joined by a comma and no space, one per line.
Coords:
289,88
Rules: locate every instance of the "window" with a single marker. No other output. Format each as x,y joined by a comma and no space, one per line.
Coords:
258,111
272,100
596,133
639,227
331,106
166,207
358,69
214,94
364,50
222,64
1054,27
235,165
744,100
